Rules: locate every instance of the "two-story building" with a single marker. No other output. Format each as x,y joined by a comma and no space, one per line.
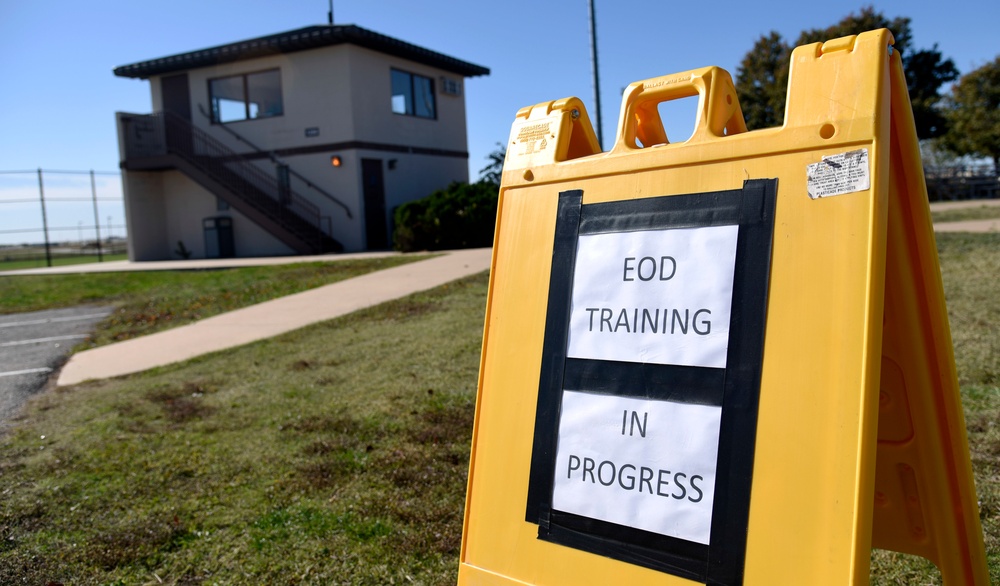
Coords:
301,142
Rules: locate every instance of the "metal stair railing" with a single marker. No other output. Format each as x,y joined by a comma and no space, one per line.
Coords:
233,171
274,159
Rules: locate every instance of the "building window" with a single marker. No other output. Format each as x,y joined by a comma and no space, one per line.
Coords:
246,97
413,95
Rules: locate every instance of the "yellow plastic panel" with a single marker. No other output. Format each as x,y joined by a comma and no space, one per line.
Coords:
925,501
810,509
859,429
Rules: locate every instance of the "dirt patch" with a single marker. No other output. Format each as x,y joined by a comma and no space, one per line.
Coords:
134,542
183,404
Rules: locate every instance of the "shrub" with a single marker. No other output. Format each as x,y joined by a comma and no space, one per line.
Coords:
461,216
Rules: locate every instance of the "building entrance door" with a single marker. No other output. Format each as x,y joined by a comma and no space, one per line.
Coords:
219,237
376,235
177,101
176,97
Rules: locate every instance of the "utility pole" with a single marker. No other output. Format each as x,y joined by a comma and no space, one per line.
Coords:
597,81
329,15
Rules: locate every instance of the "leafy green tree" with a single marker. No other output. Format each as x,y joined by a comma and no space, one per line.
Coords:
762,77
461,216
761,81
926,72
973,114
492,173
854,24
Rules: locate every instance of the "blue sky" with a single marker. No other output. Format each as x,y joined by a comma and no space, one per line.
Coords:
58,95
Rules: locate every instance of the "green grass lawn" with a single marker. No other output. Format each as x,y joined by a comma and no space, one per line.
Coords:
151,301
58,261
335,454
970,264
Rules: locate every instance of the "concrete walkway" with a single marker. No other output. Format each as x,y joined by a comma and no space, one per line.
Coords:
969,226
942,206
125,266
991,225
271,318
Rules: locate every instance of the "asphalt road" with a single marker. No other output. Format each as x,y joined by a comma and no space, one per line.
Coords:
33,345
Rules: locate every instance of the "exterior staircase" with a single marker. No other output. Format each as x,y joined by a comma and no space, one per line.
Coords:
166,141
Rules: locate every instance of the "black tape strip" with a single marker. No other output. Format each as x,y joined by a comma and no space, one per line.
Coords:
720,208
644,548
739,414
682,384
736,389
543,451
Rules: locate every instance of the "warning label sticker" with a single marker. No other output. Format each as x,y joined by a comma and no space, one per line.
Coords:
534,137
838,174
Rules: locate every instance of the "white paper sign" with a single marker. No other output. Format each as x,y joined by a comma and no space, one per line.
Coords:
654,296
640,463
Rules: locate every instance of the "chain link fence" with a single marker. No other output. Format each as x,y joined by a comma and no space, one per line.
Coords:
958,182
52,217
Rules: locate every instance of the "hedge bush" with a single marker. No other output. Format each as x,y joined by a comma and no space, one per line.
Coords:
461,216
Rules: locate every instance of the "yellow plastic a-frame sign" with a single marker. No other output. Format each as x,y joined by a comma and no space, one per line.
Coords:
725,360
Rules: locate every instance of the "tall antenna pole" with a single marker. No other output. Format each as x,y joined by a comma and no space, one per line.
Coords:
330,14
597,81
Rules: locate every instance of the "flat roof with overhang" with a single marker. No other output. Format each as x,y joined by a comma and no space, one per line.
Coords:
302,39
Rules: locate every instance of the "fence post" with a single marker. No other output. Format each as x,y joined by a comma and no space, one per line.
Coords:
45,221
97,220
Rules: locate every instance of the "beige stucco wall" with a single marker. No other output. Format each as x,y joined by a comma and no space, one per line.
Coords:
344,91
189,203
157,222
314,95
342,183
144,213
371,88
